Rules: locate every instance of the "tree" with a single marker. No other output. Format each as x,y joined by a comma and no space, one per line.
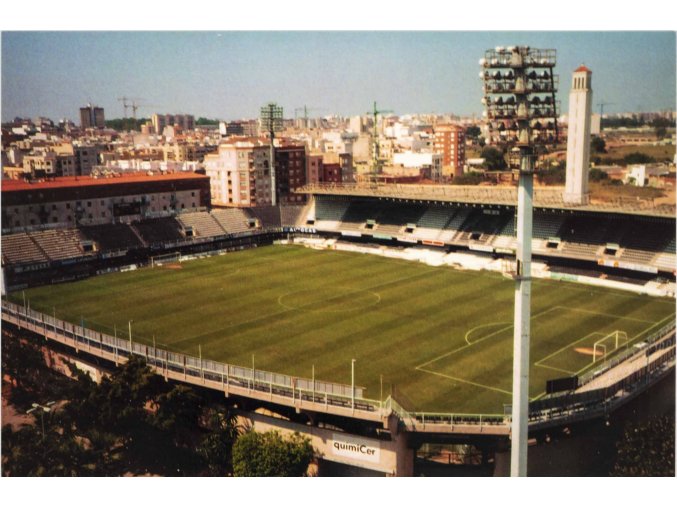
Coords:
471,178
269,455
473,132
206,121
217,447
493,158
647,449
598,145
597,175
638,158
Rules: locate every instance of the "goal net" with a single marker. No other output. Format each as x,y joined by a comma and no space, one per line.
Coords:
609,344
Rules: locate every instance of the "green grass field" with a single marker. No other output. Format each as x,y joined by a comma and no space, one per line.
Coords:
442,337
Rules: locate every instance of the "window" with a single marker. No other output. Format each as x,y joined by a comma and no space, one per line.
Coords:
89,204
68,205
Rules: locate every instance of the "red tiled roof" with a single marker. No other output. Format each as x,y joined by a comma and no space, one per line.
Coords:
87,181
582,68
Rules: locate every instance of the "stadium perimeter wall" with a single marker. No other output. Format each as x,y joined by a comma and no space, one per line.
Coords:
477,262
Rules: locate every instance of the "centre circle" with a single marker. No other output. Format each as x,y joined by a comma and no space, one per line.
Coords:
329,299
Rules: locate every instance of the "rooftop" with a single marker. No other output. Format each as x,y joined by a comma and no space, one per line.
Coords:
87,181
544,197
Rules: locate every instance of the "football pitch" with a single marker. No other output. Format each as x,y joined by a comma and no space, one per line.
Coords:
439,339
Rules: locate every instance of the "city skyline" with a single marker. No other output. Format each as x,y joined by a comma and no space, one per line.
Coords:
230,75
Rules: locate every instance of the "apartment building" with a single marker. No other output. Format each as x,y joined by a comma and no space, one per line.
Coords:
290,173
160,121
449,141
239,173
92,117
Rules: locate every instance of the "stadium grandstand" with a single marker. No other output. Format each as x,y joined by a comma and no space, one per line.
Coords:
617,245
628,238
611,239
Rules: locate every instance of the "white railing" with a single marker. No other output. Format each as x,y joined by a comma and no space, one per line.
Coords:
315,394
195,369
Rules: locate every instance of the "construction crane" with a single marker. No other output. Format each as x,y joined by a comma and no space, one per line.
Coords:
376,164
305,110
601,107
128,102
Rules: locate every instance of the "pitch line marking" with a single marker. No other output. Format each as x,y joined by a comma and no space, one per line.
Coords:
480,339
464,381
286,310
482,326
538,363
556,369
655,324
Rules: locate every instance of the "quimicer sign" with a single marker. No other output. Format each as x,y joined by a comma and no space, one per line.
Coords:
355,448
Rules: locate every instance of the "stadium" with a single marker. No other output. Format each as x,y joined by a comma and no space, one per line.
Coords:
373,315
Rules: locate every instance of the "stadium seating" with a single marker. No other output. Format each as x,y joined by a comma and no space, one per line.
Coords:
393,218
357,214
59,244
203,224
20,248
290,216
158,230
329,213
268,216
481,227
232,220
546,225
432,221
110,237
454,225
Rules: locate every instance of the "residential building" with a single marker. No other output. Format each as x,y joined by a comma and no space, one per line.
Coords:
92,117
239,173
449,141
290,173
160,121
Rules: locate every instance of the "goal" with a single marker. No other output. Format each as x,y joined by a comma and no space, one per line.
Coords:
609,344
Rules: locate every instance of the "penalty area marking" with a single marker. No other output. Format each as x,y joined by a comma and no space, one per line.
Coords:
481,326
456,379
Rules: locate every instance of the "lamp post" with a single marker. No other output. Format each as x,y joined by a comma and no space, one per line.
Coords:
352,383
43,408
521,112
131,349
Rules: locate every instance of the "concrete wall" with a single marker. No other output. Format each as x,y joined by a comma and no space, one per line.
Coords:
392,457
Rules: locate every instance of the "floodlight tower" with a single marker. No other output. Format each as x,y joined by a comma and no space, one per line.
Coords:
271,122
521,111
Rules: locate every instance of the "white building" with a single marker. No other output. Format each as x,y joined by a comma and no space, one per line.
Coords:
239,174
578,139
410,159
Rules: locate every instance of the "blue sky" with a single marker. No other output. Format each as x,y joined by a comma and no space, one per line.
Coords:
229,75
